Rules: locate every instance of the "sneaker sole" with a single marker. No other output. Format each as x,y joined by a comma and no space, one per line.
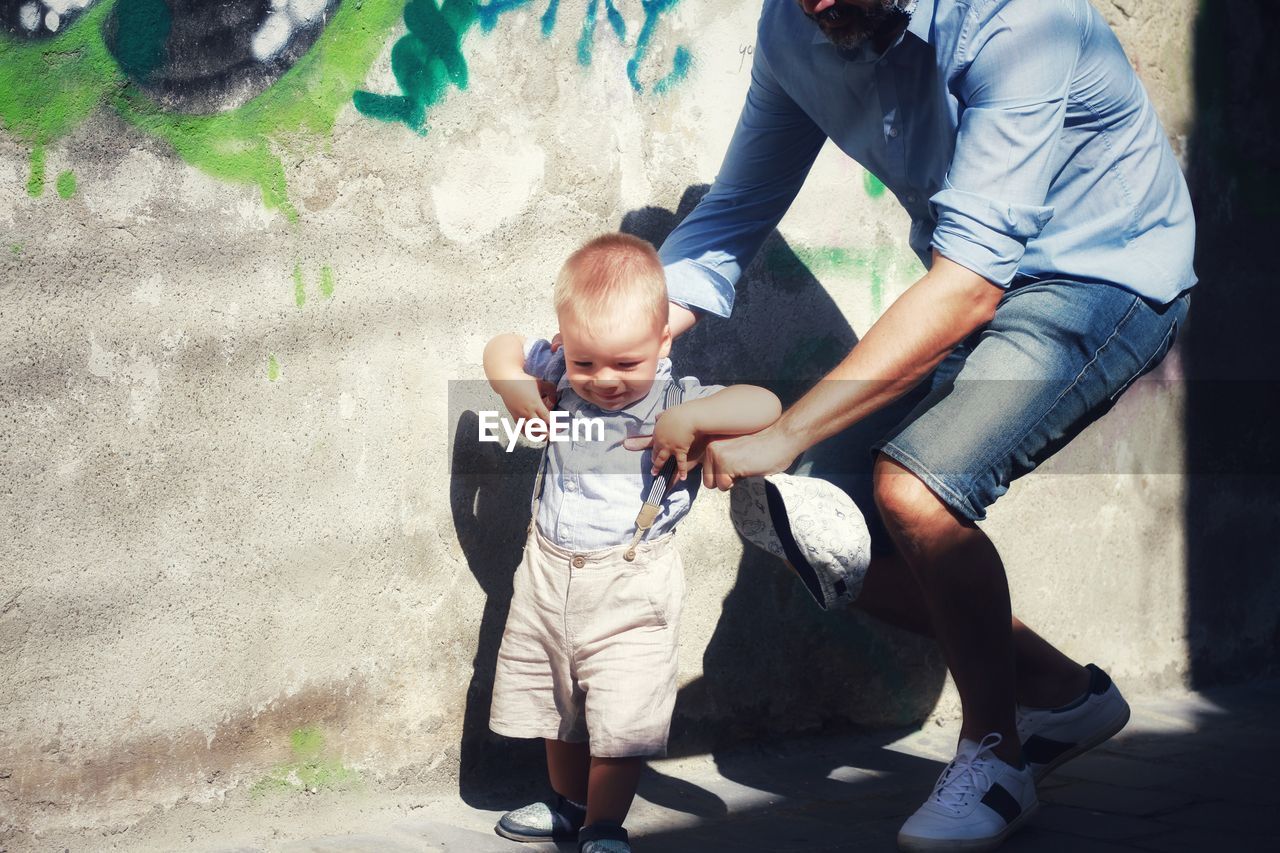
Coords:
1084,746
516,835
915,844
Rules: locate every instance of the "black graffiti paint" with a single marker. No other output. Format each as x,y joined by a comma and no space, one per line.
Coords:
209,56
39,19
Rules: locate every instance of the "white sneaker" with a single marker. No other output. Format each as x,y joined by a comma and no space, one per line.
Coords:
978,802
1052,736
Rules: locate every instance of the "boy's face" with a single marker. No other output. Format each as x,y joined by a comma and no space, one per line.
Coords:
613,364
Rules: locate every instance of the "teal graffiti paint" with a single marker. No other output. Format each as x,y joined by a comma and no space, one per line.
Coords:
653,10
142,31
428,58
424,61
549,18
490,12
680,64
586,42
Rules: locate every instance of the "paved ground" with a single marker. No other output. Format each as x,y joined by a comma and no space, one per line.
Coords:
1191,772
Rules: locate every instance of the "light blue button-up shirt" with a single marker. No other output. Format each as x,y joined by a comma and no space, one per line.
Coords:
1014,132
592,489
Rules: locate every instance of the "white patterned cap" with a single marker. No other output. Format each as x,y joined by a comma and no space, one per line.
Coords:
812,525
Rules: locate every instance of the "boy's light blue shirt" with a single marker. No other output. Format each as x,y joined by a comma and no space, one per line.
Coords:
1014,132
592,490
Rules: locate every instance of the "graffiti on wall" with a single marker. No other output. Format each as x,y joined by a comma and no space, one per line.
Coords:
35,19
428,58
232,85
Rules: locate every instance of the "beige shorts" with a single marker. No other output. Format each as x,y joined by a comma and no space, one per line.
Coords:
590,648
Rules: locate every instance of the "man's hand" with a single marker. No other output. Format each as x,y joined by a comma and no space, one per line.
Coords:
729,459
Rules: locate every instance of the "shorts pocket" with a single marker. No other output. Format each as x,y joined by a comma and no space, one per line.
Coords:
1166,344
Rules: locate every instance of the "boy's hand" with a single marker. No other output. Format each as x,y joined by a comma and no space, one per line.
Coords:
674,434
527,398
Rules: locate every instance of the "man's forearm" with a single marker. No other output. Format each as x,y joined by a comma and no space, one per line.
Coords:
899,350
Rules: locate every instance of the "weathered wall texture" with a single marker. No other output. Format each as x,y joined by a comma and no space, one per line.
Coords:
247,247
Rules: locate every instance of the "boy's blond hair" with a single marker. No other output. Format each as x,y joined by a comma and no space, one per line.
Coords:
610,278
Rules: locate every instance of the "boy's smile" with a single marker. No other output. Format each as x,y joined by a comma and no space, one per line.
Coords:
612,365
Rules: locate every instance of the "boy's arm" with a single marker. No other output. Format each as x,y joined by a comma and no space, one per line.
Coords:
504,368
736,410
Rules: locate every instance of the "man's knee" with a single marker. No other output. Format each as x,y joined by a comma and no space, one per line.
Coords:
909,509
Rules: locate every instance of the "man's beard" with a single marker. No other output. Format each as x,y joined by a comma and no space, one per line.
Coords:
848,26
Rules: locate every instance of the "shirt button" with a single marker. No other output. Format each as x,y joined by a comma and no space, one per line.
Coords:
579,561
912,198
893,132
571,486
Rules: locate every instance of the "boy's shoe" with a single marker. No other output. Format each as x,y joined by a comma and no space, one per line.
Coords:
1052,736
978,802
558,820
603,837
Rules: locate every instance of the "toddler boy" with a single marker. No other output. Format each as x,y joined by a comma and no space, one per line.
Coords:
589,656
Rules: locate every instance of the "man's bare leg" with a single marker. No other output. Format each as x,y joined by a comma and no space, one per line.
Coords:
1045,677
966,595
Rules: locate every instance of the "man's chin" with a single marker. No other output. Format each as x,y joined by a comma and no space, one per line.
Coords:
844,39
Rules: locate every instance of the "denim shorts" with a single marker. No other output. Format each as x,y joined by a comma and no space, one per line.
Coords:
1054,358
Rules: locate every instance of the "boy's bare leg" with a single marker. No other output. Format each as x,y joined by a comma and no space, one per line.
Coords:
1045,677
613,787
569,768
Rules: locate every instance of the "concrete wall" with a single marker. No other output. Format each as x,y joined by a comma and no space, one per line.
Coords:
246,540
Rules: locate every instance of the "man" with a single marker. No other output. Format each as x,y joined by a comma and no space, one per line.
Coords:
1058,234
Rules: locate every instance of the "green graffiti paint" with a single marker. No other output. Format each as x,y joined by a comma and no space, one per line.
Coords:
424,61
309,770
16,248
35,182
299,292
273,368
326,282
306,742
244,145
811,357
881,267
49,86
66,184
143,31
872,185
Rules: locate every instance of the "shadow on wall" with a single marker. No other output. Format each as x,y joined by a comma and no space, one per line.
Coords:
775,665
1231,349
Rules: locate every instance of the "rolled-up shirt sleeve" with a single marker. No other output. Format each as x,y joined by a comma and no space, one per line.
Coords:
769,157
1013,97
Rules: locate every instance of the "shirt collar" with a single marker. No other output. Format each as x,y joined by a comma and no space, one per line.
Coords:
641,409
921,12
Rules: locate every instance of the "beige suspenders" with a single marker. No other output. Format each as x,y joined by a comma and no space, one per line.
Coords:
653,501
